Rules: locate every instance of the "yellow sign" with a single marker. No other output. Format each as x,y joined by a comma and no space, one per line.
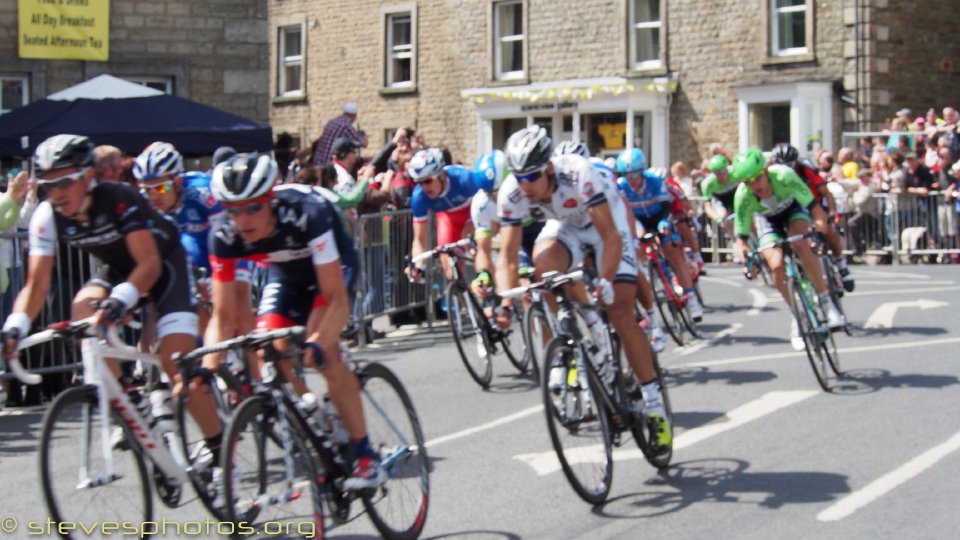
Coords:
65,29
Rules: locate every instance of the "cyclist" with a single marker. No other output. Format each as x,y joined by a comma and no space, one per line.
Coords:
718,190
140,252
187,201
823,211
658,340
684,217
651,203
447,190
301,236
780,201
581,209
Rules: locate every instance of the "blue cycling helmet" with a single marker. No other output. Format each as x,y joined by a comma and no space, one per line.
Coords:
632,160
490,170
426,163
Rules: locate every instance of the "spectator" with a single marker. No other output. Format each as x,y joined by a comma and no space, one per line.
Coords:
948,130
905,115
108,163
848,166
310,176
864,224
952,196
303,158
827,166
284,152
337,128
904,143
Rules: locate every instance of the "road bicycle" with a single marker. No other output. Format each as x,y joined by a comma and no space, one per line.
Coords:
669,297
284,463
810,315
477,335
89,475
595,402
831,274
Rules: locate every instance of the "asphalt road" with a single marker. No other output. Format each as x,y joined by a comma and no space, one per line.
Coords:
760,450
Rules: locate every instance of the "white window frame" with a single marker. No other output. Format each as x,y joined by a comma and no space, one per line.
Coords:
811,111
167,82
635,63
499,40
393,52
26,89
284,61
775,13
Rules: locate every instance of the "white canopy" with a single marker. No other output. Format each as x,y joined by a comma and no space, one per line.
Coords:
104,87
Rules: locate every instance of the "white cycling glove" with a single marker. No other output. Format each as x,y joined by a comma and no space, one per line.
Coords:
604,290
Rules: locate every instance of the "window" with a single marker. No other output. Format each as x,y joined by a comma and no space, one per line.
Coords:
788,27
163,84
290,51
508,40
13,93
399,51
645,26
769,124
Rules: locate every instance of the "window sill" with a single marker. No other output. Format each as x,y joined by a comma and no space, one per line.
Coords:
509,81
790,59
283,100
652,71
398,90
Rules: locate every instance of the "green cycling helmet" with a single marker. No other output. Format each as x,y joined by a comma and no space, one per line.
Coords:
718,163
747,165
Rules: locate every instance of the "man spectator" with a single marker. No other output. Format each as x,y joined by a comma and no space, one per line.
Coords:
948,131
848,166
284,152
864,224
952,195
339,127
108,162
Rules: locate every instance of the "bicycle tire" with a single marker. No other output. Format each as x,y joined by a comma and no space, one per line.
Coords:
253,463
668,310
831,275
538,335
462,312
398,508
802,308
641,430
586,463
513,342
75,417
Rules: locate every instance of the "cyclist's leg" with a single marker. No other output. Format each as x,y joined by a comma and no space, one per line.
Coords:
95,290
768,234
673,250
800,224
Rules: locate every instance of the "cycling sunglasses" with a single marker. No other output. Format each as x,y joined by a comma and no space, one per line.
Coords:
425,180
753,179
530,176
160,189
61,182
247,209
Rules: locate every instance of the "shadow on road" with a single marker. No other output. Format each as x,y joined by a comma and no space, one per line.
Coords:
724,481
477,533
864,381
702,375
19,431
898,331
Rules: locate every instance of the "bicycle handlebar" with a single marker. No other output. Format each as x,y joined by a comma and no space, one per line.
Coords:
447,248
60,330
551,281
253,339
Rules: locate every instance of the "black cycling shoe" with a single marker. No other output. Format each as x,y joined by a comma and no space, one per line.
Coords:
848,283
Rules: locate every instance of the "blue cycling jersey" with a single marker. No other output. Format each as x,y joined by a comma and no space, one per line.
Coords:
193,217
652,201
461,187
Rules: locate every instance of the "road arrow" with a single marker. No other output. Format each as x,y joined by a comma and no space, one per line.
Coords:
882,317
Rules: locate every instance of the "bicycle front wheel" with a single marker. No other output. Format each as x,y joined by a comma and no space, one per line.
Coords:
665,305
643,431
270,478
538,335
467,325
513,341
579,427
74,457
804,312
398,508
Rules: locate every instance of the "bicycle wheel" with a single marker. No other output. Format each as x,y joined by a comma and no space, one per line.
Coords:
538,335
579,428
514,344
73,466
398,508
643,431
805,314
829,346
669,313
831,275
193,448
466,323
268,485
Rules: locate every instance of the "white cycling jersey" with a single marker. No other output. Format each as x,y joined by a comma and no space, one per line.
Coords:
483,211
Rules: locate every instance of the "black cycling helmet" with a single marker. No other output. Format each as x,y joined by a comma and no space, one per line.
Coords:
528,150
785,153
62,151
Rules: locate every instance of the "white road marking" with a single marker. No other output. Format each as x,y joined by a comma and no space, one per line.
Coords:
759,302
700,344
883,316
888,482
883,273
900,282
884,292
489,425
544,463
844,350
18,411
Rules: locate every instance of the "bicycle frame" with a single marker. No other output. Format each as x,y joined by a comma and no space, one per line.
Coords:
651,246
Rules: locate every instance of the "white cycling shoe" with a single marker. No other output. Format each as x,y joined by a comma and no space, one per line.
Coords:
658,342
796,340
696,310
835,319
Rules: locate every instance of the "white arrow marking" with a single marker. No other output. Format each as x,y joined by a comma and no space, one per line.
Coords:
759,302
700,344
882,317
886,483
544,463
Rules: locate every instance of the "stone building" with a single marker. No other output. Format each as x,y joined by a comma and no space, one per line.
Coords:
670,76
213,52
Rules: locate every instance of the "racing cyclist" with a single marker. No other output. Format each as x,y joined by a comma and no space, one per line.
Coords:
651,203
824,209
778,201
581,208
718,190
300,235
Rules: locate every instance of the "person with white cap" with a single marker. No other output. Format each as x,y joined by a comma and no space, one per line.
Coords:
339,127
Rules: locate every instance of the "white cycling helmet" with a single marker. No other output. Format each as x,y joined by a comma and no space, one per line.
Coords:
528,150
492,170
62,151
158,160
571,147
426,163
243,177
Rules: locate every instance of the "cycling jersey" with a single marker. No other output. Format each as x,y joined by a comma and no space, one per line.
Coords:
460,189
721,193
652,201
194,215
808,173
791,198
483,212
677,205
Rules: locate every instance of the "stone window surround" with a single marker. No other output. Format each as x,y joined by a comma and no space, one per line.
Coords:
385,13
167,81
281,62
25,80
800,95
768,54
649,67
493,76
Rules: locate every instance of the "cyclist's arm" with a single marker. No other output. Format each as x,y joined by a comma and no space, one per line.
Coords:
226,306
31,297
484,258
143,250
511,237
602,219
421,233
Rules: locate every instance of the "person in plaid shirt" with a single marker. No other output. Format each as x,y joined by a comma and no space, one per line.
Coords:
341,126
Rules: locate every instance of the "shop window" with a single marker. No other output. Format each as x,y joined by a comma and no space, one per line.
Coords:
13,93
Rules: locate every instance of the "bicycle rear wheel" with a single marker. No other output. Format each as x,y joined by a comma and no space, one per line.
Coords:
265,484
579,427
513,342
668,310
466,323
643,432
398,508
804,312
73,466
538,336
831,275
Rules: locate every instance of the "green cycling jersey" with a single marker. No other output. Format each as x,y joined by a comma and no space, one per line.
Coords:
787,189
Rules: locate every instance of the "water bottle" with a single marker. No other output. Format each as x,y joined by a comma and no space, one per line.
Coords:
161,409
